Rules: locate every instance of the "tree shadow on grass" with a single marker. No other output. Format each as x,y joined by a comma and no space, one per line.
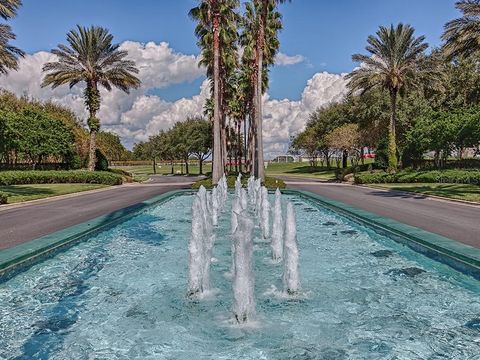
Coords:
310,170
25,190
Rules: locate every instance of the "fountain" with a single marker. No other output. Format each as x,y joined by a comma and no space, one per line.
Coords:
291,281
215,206
200,245
265,213
277,228
243,281
195,250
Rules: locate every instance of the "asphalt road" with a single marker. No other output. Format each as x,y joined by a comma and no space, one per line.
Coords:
22,223
454,220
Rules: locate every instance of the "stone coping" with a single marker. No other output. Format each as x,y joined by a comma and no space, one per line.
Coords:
461,257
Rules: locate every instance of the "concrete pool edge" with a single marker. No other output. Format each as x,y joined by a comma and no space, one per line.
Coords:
461,257
25,254
455,254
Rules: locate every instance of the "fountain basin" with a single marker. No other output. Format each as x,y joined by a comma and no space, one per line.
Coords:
122,293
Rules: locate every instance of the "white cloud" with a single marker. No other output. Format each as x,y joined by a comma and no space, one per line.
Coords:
282,59
137,115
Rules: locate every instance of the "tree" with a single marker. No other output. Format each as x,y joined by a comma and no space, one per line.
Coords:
394,64
461,36
262,25
200,139
307,142
91,58
216,31
35,138
111,146
346,139
8,54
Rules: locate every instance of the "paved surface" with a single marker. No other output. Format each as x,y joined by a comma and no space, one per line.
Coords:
456,221
19,224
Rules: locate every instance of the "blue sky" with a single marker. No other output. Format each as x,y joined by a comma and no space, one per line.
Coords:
325,32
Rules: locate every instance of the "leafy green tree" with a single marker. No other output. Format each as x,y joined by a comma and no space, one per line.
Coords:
91,58
346,139
199,139
394,62
111,146
34,137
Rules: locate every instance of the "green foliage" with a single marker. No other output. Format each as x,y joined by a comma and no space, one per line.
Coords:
409,176
34,136
270,182
111,146
53,177
3,198
101,161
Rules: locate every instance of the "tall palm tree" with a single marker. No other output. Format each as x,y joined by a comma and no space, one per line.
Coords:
262,23
216,33
91,58
394,62
8,54
462,35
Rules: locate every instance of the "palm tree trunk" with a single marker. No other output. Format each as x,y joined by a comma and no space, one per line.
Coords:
92,97
259,170
217,166
92,159
392,141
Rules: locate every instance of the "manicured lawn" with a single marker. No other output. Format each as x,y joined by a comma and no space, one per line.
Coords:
142,172
453,191
304,170
300,170
19,193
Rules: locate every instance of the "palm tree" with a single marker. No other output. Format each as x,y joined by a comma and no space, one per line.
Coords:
8,8
394,63
93,59
216,33
262,23
8,54
462,35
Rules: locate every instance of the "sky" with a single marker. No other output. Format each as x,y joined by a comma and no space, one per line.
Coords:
317,42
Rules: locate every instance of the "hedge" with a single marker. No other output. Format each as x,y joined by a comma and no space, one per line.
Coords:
57,177
270,182
436,176
3,198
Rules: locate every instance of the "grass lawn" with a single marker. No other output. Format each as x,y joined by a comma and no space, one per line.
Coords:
300,170
453,191
304,170
142,172
19,193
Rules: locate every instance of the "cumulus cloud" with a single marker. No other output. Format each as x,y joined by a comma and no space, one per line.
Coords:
282,59
137,115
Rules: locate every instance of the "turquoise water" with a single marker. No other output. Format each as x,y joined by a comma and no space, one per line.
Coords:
121,295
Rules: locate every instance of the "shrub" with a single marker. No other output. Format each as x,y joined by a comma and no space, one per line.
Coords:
53,177
409,176
101,163
270,182
3,198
